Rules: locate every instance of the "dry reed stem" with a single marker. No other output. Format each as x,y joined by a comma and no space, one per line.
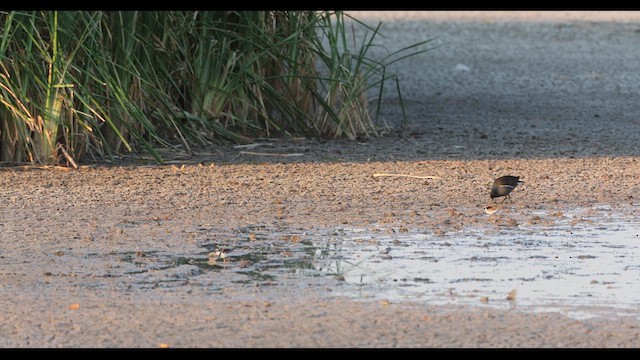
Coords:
268,154
411,176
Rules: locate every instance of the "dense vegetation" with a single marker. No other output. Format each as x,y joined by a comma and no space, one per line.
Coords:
77,85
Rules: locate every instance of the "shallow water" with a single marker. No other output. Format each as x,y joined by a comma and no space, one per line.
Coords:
581,271
582,268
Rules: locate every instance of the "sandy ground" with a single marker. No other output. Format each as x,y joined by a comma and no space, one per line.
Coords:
552,97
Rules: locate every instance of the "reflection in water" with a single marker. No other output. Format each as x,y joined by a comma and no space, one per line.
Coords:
562,267
556,269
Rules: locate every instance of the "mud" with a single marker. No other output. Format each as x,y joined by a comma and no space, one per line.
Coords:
237,250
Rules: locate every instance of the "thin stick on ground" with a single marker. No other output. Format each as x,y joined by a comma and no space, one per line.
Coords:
67,156
250,146
411,176
268,154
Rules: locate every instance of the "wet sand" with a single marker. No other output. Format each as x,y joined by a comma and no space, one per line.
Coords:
551,97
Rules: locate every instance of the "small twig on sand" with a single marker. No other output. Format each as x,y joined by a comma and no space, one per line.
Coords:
251,146
67,156
411,176
268,154
52,167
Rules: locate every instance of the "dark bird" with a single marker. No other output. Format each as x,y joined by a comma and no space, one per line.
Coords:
503,186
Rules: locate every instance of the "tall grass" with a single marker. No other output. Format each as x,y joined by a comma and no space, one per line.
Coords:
91,85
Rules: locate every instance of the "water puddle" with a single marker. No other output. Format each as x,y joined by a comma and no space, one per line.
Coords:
580,268
261,258
578,271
